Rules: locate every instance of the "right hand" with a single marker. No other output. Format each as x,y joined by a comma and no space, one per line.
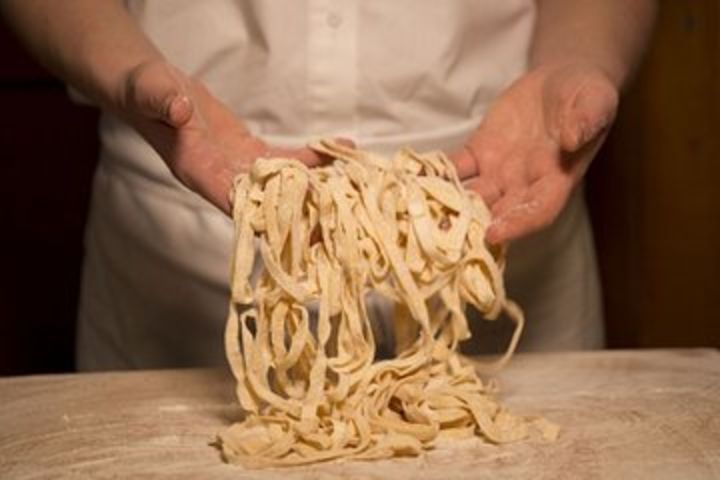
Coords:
535,143
202,142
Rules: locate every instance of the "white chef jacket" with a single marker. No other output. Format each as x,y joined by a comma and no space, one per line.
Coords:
387,74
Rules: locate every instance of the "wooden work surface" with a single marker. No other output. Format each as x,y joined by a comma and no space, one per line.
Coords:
624,414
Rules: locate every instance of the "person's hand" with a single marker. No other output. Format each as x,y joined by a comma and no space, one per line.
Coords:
199,138
534,145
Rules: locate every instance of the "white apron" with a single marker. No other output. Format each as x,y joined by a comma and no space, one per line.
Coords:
385,73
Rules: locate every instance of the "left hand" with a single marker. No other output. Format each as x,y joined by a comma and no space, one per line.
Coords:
200,139
535,144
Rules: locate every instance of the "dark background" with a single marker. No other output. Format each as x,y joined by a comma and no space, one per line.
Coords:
653,193
48,150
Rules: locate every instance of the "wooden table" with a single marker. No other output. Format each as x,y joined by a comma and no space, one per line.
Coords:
624,414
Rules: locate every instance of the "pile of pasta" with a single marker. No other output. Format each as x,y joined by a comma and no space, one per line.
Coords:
299,338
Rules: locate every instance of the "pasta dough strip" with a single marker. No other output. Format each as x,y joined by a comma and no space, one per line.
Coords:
329,236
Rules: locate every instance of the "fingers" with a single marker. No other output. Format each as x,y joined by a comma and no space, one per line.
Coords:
303,155
586,112
535,143
306,156
519,213
179,111
465,162
486,187
485,152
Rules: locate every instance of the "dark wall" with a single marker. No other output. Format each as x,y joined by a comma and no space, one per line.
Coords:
48,150
655,189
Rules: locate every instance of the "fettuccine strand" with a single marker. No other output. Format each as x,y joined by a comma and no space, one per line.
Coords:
329,236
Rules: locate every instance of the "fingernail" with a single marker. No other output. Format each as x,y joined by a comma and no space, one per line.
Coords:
178,110
581,134
170,106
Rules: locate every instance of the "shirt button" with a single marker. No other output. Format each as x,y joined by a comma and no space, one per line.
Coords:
334,20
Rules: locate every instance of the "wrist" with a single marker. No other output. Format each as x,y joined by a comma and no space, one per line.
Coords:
569,65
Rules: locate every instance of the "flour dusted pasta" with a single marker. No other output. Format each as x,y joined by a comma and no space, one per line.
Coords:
309,383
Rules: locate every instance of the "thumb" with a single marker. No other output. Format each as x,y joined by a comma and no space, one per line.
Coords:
587,113
156,90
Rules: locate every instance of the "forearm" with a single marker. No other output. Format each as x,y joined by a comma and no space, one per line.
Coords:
609,34
90,44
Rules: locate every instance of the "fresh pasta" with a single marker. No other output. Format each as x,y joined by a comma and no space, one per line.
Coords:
299,339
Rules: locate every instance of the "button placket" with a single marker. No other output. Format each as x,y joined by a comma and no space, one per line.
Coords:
331,69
